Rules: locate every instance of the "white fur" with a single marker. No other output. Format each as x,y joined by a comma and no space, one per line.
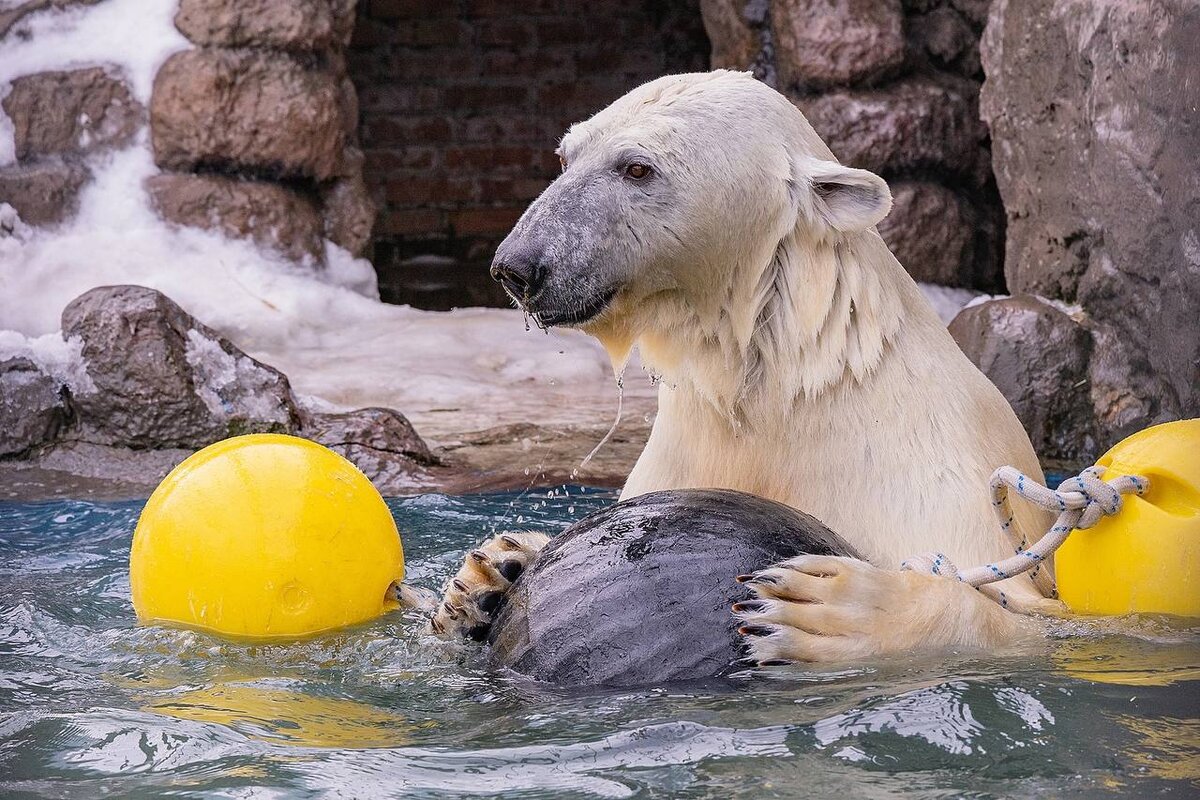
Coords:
799,360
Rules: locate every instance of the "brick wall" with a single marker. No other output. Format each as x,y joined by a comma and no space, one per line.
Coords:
461,104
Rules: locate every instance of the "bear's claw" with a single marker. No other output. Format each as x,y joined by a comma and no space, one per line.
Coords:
831,608
475,593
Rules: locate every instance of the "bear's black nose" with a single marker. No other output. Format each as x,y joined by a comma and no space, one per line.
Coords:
522,276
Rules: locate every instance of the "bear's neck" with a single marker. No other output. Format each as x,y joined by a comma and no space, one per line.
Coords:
818,314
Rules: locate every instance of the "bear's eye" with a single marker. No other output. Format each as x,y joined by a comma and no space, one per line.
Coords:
637,171
563,161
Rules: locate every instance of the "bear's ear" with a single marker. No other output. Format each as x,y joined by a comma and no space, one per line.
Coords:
844,198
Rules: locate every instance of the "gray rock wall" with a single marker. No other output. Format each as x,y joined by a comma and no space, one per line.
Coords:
892,87
1094,107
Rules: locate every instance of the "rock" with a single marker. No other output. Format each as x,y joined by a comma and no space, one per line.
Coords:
1038,357
349,214
974,10
822,43
9,17
44,192
639,594
347,208
269,213
379,441
70,112
929,230
163,380
281,24
735,45
33,407
947,40
247,110
1092,107
916,124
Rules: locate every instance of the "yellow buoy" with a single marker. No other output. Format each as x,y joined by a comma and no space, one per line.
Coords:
265,537
1145,559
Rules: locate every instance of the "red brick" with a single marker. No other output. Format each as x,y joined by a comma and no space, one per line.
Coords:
400,158
425,190
507,129
476,98
409,9
405,130
412,220
394,98
502,8
503,32
476,221
440,32
580,96
486,157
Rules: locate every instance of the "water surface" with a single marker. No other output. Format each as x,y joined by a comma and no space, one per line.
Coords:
93,704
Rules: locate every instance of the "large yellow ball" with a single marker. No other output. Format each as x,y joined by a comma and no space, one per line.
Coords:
264,537
1145,559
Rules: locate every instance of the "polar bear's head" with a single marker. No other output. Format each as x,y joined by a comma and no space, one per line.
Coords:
674,200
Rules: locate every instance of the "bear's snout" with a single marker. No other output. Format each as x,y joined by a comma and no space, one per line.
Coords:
520,272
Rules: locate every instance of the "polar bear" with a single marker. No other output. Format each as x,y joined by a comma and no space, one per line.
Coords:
701,219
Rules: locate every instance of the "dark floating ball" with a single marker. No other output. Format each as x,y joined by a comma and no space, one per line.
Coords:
639,594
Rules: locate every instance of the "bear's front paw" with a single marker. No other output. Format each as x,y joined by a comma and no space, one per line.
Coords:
830,608
475,592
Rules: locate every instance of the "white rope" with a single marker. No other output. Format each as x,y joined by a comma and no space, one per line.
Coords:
1080,502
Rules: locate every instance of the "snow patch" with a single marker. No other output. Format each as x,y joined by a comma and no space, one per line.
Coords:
229,385
137,35
62,360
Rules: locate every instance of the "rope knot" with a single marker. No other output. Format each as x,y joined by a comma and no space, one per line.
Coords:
1080,502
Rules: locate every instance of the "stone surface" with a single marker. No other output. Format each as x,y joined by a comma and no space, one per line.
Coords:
69,112
916,124
282,24
821,43
348,211
379,441
1092,107
735,44
1038,357
262,112
44,192
162,379
929,229
269,213
947,39
33,407
13,14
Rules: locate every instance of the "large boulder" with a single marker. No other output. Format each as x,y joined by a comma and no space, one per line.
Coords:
735,44
269,213
281,24
916,124
256,111
70,112
1038,357
43,192
163,379
821,43
33,406
1092,107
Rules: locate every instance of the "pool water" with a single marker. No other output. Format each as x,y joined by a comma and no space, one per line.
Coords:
92,704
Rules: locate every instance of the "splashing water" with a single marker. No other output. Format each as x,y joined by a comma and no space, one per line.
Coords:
91,703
